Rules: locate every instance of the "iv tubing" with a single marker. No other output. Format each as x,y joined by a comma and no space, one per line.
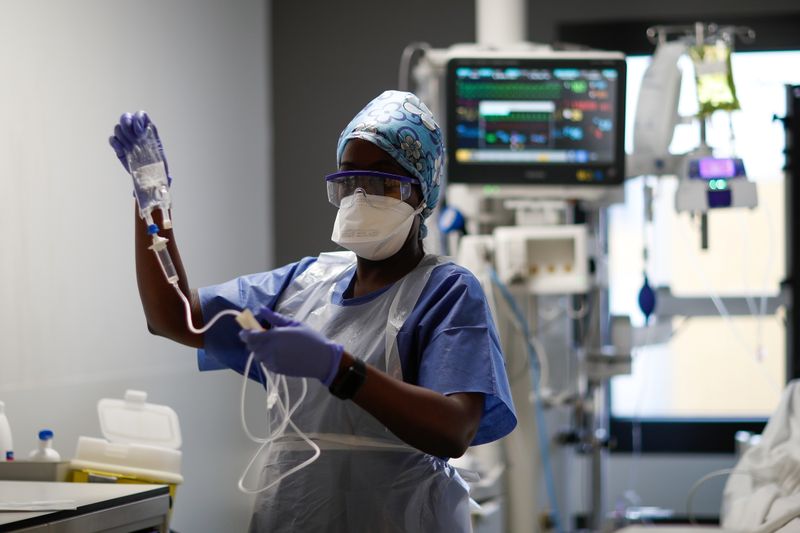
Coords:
188,309
273,384
723,311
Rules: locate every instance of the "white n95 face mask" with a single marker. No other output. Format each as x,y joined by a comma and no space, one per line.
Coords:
374,227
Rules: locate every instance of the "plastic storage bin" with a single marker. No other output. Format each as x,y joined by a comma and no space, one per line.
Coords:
140,445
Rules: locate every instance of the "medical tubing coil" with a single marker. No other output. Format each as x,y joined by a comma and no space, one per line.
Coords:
274,385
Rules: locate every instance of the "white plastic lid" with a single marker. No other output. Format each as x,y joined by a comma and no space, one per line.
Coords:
134,421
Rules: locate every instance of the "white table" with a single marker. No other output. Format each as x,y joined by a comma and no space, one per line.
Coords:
101,507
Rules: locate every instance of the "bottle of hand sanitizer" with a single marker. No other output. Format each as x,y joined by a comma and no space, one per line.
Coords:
6,445
45,452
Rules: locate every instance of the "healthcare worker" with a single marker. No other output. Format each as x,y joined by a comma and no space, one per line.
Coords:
403,354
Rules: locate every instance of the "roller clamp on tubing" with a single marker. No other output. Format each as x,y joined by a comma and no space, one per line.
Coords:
346,386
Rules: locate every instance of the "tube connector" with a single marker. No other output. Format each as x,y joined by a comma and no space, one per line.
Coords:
166,221
159,246
159,243
248,321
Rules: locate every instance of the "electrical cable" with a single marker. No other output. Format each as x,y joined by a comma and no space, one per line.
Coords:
489,290
541,424
540,353
696,485
767,527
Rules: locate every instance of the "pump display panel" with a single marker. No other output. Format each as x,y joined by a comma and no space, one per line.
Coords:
553,121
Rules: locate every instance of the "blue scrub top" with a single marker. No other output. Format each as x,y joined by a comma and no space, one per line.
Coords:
448,343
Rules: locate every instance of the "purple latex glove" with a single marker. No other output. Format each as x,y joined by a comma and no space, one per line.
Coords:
130,129
293,349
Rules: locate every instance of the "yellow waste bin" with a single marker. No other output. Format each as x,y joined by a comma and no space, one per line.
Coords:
141,445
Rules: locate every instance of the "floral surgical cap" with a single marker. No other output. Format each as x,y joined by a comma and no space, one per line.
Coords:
403,126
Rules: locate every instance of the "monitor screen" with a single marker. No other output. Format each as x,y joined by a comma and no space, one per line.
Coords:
548,121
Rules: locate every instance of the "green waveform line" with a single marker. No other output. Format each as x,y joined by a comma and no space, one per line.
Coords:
512,90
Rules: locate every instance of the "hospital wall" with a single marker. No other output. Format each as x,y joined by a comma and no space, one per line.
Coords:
327,66
71,326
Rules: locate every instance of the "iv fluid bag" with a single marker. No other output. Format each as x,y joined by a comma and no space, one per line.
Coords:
150,184
149,174
714,76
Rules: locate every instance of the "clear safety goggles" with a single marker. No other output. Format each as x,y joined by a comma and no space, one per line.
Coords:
344,184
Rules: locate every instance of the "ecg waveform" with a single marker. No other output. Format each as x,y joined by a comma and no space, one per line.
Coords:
490,90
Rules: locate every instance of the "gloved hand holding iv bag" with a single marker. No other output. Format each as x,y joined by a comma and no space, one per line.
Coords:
293,348
139,149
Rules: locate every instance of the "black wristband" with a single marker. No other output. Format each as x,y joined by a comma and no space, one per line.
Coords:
354,376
